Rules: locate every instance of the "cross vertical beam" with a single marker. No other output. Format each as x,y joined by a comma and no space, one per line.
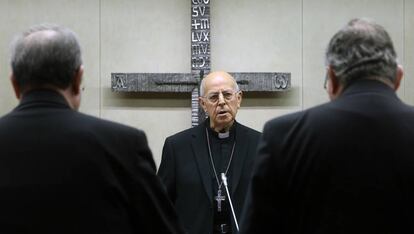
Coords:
200,52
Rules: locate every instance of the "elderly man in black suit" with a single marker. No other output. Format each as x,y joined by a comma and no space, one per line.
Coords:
192,161
62,171
346,166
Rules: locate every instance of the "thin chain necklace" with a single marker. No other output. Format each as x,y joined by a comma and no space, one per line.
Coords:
219,198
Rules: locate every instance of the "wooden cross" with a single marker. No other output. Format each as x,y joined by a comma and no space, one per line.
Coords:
200,65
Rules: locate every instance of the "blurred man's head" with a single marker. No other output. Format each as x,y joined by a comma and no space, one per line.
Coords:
361,50
220,98
47,57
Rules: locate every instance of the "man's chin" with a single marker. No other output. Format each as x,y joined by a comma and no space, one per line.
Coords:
222,119
223,122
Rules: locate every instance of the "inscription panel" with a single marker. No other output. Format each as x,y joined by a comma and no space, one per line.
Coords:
200,35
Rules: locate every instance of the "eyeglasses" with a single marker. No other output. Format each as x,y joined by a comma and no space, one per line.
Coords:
215,96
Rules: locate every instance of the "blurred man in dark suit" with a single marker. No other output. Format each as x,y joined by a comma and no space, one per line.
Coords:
346,166
66,172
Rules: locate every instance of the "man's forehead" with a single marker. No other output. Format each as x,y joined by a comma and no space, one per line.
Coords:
220,88
219,83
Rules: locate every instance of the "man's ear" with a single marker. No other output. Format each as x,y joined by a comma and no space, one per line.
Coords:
334,87
398,77
202,103
77,81
239,98
16,87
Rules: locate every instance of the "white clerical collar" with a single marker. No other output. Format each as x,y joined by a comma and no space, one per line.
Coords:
223,135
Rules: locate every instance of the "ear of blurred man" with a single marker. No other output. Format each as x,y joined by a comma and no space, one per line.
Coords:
16,87
398,78
75,90
334,87
77,81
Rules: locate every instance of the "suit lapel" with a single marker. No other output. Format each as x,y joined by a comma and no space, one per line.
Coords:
240,155
201,156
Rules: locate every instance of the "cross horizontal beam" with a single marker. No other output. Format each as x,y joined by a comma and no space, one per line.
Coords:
186,82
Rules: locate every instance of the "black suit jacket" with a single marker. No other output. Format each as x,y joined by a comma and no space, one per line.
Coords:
186,171
343,167
66,172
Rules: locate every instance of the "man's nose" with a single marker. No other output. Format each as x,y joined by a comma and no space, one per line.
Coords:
221,100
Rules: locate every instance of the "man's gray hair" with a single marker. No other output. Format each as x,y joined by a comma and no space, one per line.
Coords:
45,54
362,49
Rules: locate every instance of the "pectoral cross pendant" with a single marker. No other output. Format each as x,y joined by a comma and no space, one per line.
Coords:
219,198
